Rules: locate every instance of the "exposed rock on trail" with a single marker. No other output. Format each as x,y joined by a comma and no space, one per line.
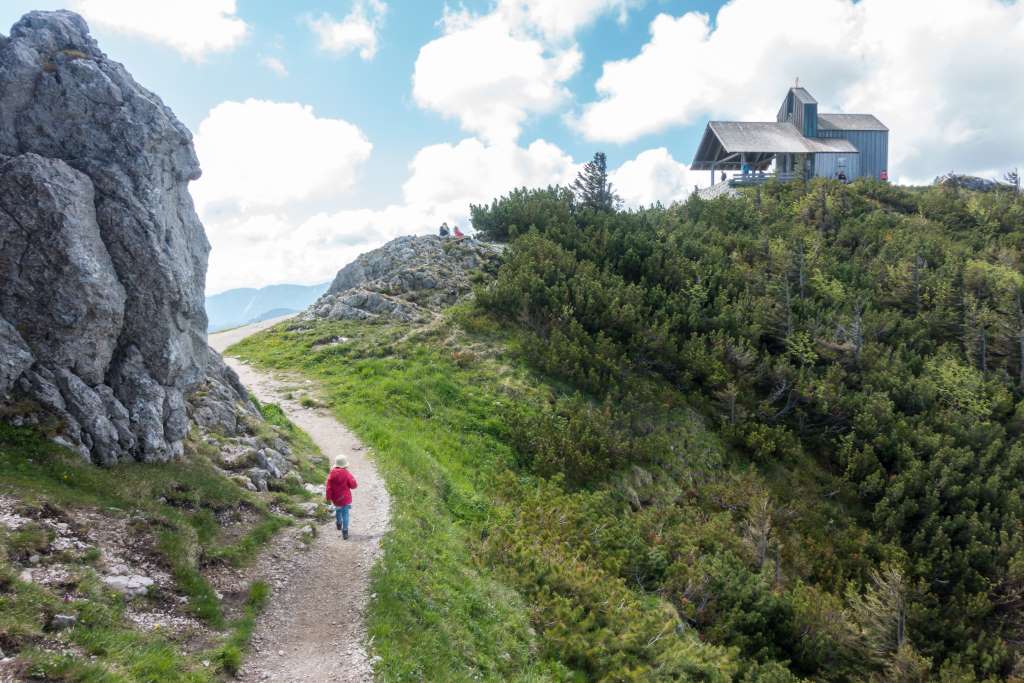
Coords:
406,279
102,256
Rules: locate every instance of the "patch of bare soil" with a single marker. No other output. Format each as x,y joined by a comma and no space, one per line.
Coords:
111,544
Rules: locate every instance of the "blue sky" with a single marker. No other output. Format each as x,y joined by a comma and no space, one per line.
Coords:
372,94
386,116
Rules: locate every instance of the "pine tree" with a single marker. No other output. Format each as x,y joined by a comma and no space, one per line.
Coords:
1012,178
592,188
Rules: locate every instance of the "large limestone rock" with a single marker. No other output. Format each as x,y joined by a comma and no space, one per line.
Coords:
406,279
102,256
57,282
15,357
221,404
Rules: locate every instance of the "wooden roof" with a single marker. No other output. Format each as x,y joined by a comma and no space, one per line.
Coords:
727,145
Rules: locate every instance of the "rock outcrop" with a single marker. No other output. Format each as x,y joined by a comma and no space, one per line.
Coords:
102,256
970,182
407,279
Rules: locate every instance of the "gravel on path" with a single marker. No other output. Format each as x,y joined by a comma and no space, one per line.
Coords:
314,628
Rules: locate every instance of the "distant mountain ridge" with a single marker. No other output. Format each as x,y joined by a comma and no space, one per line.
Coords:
241,306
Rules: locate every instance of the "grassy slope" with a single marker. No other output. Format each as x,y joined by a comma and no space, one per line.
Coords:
433,428
177,502
461,594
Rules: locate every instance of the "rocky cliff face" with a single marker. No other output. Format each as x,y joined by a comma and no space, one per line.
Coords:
407,279
102,256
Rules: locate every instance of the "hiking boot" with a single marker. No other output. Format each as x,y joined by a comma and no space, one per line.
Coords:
344,534
337,525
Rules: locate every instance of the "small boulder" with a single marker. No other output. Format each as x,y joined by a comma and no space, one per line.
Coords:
63,621
273,462
132,586
259,478
244,482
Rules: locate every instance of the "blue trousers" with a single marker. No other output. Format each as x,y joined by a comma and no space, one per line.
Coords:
341,514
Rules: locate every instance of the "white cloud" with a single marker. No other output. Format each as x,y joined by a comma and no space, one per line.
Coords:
275,65
195,28
287,242
492,71
471,171
264,164
269,154
256,248
941,74
561,19
491,74
653,176
357,31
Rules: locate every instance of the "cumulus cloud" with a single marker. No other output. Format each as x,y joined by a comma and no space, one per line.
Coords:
283,241
471,171
652,177
260,153
356,31
491,71
940,74
257,201
561,19
490,74
195,28
275,65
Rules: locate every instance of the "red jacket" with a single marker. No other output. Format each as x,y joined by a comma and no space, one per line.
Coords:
340,483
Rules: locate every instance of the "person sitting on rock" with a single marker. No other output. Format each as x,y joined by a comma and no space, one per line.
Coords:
444,232
458,233
338,491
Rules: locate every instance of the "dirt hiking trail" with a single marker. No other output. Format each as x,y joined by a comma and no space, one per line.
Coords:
314,627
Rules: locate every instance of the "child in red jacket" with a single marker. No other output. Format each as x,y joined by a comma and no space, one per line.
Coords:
338,490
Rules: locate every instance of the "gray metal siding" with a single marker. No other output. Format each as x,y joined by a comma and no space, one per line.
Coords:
827,164
810,126
798,115
873,146
785,109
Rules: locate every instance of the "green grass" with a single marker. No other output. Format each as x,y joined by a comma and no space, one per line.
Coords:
178,504
121,653
228,657
452,603
178,547
176,500
245,550
437,615
28,539
311,465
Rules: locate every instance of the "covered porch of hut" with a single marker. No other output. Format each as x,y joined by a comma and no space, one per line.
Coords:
761,150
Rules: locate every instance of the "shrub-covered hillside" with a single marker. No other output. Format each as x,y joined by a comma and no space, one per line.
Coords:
771,438
865,336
